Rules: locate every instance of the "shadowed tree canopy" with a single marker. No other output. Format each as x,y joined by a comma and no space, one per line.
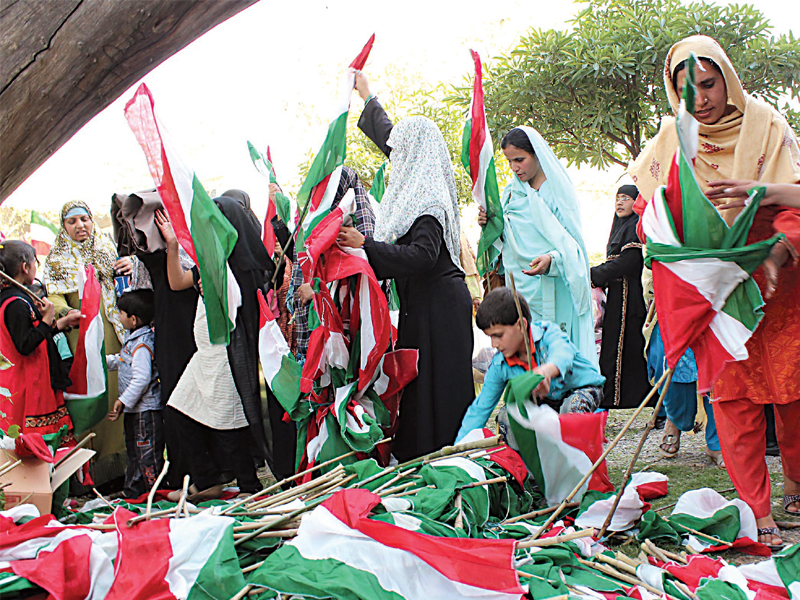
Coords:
596,90
64,61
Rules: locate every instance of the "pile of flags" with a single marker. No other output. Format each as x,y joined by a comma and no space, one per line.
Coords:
453,524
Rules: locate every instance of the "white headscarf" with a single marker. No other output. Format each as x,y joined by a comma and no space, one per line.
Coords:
422,183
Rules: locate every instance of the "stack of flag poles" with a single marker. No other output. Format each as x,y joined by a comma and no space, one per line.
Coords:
432,525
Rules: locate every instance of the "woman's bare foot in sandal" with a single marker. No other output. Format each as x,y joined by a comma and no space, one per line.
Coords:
716,457
175,495
671,441
212,493
791,496
768,533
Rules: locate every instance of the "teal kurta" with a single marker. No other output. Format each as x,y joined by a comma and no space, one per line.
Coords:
547,221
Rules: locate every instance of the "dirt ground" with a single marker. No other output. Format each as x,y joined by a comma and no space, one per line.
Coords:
689,469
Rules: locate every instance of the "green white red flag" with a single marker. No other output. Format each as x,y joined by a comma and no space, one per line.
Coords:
557,449
339,552
318,191
87,397
378,187
202,230
280,207
281,371
43,234
477,156
175,559
704,294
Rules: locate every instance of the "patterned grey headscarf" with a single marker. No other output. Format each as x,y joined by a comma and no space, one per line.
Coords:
421,183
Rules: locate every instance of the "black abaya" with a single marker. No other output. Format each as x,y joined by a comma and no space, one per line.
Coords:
435,317
622,360
173,323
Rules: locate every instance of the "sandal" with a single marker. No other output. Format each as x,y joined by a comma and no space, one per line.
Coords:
773,532
791,499
716,457
669,441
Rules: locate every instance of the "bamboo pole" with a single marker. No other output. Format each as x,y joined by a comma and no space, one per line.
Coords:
182,499
394,479
557,539
651,424
602,457
330,487
524,332
269,526
74,449
649,547
620,565
459,524
450,451
539,513
152,493
253,567
409,492
246,527
710,538
104,499
611,571
475,484
9,467
294,477
397,488
279,533
291,493
20,286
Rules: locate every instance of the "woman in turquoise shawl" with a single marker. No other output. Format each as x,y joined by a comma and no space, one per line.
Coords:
542,244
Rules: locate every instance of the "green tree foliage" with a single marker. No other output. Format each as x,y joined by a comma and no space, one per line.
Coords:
403,94
596,91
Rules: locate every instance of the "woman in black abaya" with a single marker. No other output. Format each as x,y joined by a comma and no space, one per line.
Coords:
622,360
416,242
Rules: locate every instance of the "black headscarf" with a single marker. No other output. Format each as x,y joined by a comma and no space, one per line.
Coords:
249,253
623,230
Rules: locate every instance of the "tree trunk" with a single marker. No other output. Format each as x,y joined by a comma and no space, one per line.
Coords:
63,61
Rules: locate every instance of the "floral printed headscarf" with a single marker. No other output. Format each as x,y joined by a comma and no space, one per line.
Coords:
67,257
422,183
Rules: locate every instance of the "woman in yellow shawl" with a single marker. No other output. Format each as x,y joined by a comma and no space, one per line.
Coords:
742,137
79,242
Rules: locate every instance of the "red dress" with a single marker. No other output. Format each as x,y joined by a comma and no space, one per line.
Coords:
33,405
771,374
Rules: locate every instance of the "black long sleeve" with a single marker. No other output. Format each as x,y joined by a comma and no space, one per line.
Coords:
25,336
392,261
627,264
376,125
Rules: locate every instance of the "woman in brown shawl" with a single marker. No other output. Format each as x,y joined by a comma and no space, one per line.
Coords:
742,137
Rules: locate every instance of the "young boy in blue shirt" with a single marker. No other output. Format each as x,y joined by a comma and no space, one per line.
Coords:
572,384
139,393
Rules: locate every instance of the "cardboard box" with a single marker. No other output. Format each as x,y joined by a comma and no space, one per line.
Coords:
33,481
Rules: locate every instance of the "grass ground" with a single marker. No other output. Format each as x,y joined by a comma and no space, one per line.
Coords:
690,469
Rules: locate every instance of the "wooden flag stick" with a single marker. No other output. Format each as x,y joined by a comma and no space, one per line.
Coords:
600,460
538,513
152,493
651,424
25,289
282,482
74,449
524,332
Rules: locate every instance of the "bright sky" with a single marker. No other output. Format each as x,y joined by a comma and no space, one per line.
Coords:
270,75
